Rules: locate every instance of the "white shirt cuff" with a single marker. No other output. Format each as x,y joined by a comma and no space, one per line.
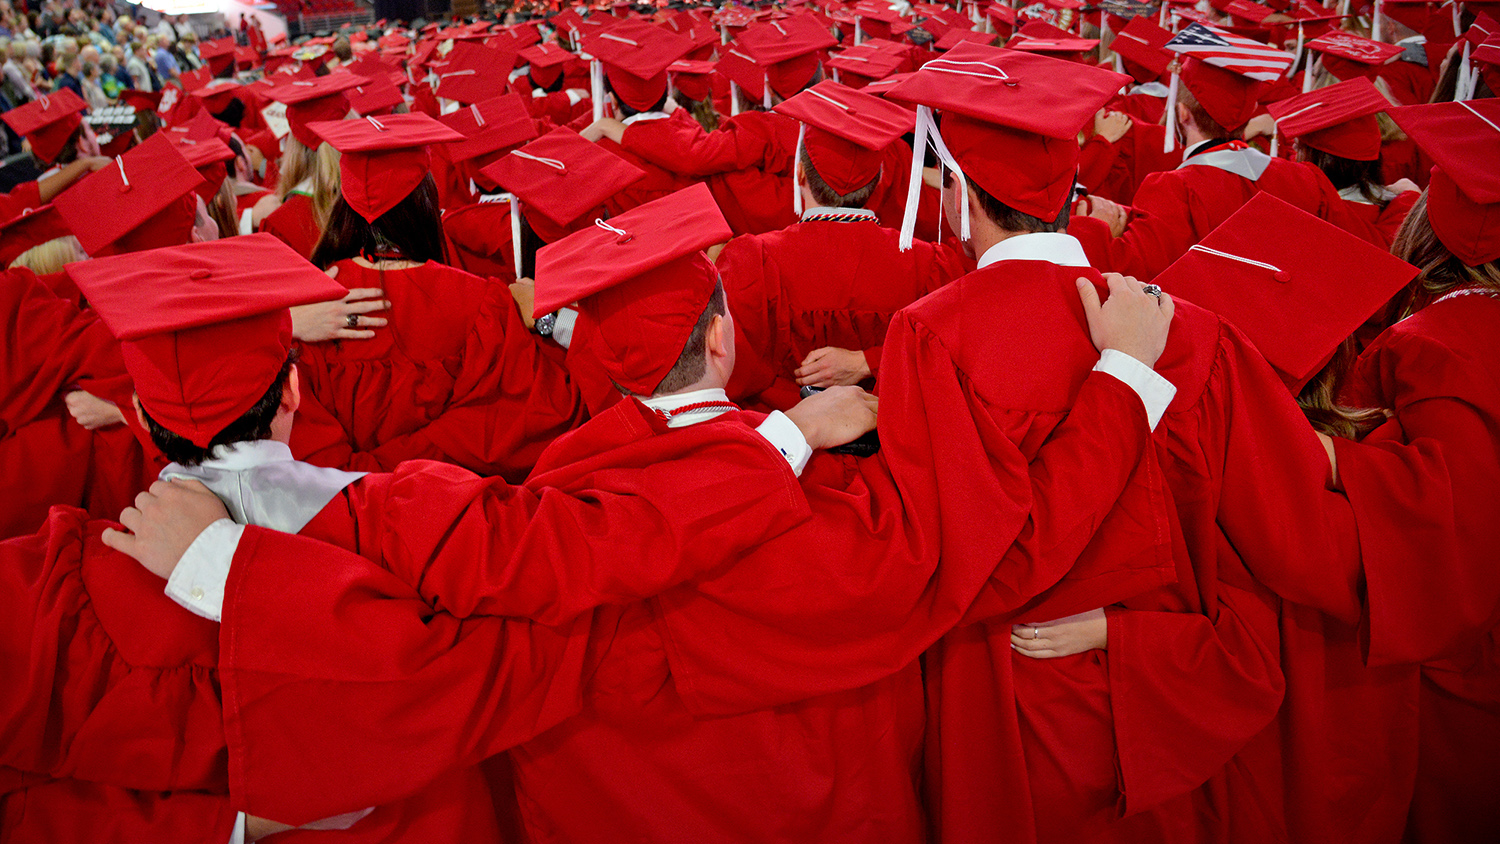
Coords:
247,221
1155,391
784,434
238,835
200,577
574,97
562,330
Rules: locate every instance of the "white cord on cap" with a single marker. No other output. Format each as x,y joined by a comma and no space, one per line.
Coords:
1487,121
550,162
822,96
607,227
120,162
474,110
611,36
1198,247
942,66
376,123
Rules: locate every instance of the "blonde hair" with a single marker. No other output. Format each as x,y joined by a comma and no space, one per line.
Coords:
320,166
47,258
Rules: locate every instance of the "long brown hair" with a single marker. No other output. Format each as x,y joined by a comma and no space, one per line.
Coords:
1439,271
1319,402
413,230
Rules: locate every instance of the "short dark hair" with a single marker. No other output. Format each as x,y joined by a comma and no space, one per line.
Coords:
254,424
414,229
692,363
826,196
1009,218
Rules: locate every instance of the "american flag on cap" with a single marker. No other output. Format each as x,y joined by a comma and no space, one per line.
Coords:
1248,58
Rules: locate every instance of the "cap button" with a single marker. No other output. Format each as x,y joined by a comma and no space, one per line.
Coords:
1282,276
199,275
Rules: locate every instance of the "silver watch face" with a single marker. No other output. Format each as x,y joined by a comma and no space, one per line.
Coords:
545,323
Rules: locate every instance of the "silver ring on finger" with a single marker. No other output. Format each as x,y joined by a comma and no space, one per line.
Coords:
1152,290
1036,632
352,320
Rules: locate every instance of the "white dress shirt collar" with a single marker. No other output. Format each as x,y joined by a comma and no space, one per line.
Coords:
1053,247
645,115
667,404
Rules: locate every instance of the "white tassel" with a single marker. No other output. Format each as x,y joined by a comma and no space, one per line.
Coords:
765,97
734,99
515,232
1171,139
1375,24
1297,56
796,169
1458,12
914,186
1275,140
859,33
596,87
1312,70
1461,90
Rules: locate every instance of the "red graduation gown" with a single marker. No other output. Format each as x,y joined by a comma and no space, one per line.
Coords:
650,511
1115,170
1176,209
23,196
478,238
294,224
454,376
1055,749
819,284
1424,489
1385,219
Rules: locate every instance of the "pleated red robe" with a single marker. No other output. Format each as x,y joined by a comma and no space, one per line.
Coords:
1115,170
1424,488
454,376
819,284
479,241
1114,744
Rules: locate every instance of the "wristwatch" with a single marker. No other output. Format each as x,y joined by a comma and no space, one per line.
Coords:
545,323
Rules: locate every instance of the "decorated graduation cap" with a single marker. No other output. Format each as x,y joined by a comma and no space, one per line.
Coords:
383,158
47,122
634,55
29,229
1142,48
559,177
1225,73
1010,123
1463,197
307,101
1339,120
844,132
641,281
204,328
1266,270
1348,56
143,200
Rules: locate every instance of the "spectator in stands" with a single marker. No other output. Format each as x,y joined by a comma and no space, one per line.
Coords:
165,30
113,78
139,66
17,81
167,68
93,88
71,67
183,27
187,52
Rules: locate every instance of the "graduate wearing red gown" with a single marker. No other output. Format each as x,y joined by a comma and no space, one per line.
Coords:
294,223
1110,744
455,375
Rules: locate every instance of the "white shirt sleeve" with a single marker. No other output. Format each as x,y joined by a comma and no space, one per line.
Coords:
238,836
784,434
200,577
247,221
562,330
1155,391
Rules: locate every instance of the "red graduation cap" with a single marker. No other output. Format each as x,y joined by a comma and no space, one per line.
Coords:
377,96
489,126
561,176
635,55
384,158
641,281
207,155
1339,119
874,59
547,61
142,201
954,37
787,50
313,100
217,94
1463,198
1070,46
1348,56
29,229
1267,270
1010,119
47,122
474,73
1245,10
140,100
846,132
1143,44
219,54
204,328
1230,98
693,78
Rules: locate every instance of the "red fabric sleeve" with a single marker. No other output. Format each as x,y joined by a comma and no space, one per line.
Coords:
1158,232
354,722
681,145
73,810
1095,159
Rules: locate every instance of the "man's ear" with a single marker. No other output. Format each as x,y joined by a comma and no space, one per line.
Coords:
291,394
1185,116
140,412
719,337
